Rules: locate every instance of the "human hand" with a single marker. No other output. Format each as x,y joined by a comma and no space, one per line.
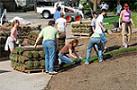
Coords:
35,45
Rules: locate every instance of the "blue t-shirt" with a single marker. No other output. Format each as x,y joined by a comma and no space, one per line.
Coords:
57,15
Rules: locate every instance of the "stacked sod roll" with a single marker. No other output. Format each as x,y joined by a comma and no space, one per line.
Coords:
23,59
81,28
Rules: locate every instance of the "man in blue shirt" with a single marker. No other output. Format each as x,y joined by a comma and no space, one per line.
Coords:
57,13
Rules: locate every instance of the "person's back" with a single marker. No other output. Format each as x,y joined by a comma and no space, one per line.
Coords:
61,23
57,14
49,33
99,20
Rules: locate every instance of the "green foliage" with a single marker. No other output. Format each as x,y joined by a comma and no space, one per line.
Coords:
29,65
36,64
19,50
13,57
28,54
42,55
42,63
134,18
35,54
22,59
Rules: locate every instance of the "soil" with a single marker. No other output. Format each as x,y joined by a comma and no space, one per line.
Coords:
119,73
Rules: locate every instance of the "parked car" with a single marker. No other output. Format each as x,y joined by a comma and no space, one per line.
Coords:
48,8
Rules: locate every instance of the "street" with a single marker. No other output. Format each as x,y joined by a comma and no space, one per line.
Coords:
32,16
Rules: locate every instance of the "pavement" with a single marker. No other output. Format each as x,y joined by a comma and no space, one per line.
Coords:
35,18
14,80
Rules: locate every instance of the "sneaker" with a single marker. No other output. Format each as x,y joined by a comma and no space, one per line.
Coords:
126,46
100,61
53,73
87,63
47,71
59,61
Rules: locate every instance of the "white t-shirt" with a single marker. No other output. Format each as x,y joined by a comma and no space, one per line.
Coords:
61,22
93,22
98,28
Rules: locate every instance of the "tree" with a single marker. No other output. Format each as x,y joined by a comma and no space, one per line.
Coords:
95,3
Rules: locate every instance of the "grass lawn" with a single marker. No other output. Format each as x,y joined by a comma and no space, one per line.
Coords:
108,21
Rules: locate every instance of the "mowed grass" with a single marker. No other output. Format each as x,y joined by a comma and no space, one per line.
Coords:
134,17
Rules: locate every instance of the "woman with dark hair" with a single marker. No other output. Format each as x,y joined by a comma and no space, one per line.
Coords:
49,35
10,43
126,20
68,51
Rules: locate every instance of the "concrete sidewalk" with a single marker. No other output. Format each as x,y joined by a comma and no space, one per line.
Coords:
14,80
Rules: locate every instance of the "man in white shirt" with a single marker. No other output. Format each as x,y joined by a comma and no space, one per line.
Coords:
100,28
61,23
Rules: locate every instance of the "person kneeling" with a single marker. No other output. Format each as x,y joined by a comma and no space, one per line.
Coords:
67,52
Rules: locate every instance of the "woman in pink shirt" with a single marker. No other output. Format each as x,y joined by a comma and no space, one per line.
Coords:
125,19
10,43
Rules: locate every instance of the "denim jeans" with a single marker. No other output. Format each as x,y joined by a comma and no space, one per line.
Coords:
65,59
94,41
50,52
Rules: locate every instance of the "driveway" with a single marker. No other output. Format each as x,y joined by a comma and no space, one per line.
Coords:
32,16
14,80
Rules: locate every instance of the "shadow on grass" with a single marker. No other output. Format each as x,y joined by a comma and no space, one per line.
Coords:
135,44
112,48
66,67
3,71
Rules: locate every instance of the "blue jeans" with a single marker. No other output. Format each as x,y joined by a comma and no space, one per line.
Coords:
65,59
50,51
94,41
103,40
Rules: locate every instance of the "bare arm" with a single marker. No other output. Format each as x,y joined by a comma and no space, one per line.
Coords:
70,53
12,33
132,22
37,40
120,19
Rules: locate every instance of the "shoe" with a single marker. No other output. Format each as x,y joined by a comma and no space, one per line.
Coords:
100,61
59,60
47,71
126,46
87,63
53,73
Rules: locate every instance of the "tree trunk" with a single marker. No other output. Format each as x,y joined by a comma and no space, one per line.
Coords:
95,5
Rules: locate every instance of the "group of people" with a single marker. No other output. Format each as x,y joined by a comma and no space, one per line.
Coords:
58,25
98,38
56,28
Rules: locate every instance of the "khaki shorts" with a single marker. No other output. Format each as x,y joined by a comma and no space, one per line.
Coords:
126,29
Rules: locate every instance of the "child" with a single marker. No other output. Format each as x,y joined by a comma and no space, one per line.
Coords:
70,50
10,43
